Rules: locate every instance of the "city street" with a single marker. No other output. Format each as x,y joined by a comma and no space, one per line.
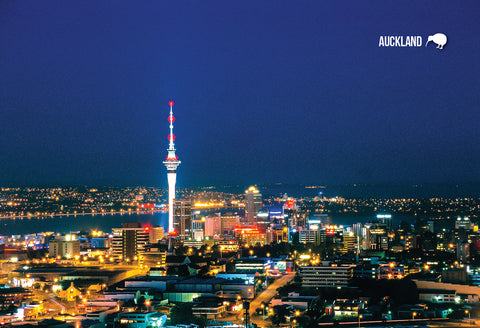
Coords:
265,297
51,304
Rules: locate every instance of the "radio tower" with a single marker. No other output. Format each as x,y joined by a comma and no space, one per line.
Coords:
171,163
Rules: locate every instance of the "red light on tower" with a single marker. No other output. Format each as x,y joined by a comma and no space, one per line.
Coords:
170,103
171,137
171,119
146,228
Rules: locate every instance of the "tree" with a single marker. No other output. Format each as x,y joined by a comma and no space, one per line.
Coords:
279,314
182,313
306,321
141,303
405,226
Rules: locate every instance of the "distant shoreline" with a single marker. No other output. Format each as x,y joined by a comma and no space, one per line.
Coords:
35,216
80,222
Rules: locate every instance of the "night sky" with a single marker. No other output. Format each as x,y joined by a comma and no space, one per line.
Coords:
264,91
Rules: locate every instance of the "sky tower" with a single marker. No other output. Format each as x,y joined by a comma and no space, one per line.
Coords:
171,163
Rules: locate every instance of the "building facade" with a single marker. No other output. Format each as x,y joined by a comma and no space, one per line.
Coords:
326,276
253,204
182,218
130,241
67,246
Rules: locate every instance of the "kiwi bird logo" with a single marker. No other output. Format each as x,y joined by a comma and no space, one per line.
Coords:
440,39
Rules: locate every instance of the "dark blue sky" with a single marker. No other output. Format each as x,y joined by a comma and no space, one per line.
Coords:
264,91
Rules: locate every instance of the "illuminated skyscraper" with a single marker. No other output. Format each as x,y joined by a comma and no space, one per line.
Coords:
129,241
182,218
171,163
253,204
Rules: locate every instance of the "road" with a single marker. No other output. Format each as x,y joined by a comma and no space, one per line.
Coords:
431,323
453,324
51,305
266,296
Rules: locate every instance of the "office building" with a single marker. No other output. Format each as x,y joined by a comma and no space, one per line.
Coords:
198,227
156,234
309,236
385,219
251,235
130,241
463,251
218,225
65,246
277,235
366,271
253,204
328,275
253,265
182,220
463,223
349,242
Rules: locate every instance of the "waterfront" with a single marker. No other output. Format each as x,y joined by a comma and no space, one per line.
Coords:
107,221
79,222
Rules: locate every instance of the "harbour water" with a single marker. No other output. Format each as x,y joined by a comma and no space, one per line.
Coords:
87,222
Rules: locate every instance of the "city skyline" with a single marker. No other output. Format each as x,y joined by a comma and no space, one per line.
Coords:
329,164
267,93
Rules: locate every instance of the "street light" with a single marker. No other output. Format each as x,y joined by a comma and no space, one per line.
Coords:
413,315
263,310
468,312
359,317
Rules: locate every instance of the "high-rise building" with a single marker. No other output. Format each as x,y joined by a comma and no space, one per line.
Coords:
325,219
182,218
431,226
171,164
309,236
463,223
228,223
463,251
349,241
386,219
219,225
357,229
213,225
253,204
66,246
198,227
156,234
129,241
